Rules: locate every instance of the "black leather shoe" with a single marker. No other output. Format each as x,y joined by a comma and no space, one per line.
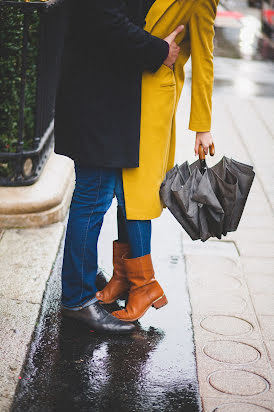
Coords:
98,319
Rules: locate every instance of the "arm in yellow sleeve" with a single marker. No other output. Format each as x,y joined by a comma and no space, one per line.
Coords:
201,30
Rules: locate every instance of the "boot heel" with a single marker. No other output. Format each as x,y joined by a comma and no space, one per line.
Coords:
159,303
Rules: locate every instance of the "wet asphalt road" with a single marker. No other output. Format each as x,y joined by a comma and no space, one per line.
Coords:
72,369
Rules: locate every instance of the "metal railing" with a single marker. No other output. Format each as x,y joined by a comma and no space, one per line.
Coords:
31,42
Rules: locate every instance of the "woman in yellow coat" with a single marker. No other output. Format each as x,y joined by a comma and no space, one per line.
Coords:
160,96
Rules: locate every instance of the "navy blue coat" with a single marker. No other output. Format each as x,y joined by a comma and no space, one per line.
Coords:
98,103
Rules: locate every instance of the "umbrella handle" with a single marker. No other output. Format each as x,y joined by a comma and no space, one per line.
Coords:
202,152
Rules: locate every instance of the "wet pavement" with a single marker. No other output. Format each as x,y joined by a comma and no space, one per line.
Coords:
70,368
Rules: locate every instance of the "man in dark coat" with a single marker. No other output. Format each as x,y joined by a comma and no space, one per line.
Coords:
97,124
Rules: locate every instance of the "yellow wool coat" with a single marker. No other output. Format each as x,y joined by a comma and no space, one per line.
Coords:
160,95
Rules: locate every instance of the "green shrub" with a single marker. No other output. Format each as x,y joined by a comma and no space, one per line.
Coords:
11,41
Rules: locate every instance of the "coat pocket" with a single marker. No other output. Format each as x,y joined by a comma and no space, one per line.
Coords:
167,78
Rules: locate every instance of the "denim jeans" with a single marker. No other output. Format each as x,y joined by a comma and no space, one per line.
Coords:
93,195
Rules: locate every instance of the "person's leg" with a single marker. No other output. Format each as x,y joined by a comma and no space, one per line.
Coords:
121,226
138,231
139,234
91,199
134,238
144,290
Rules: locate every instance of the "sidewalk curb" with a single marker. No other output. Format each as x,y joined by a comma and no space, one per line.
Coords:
24,278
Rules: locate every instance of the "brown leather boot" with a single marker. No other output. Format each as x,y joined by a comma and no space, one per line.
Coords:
144,291
118,284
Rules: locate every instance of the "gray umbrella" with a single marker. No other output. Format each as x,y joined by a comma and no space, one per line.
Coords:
178,176
234,183
207,202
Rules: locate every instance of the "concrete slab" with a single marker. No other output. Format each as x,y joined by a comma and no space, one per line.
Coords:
17,323
267,326
43,203
225,405
213,303
216,282
269,344
26,256
26,260
217,326
234,352
256,234
259,283
243,382
264,108
264,302
262,250
248,221
208,265
211,248
255,265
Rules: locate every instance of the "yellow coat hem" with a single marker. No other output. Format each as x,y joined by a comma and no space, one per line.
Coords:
137,214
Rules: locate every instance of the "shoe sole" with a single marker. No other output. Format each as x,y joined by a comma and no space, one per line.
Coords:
157,304
82,325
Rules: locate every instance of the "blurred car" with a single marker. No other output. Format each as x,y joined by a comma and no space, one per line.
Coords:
254,3
268,17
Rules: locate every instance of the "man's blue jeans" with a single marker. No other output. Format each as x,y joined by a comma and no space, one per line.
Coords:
93,195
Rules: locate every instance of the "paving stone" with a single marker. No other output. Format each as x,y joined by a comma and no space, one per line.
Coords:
17,321
217,265
267,326
257,235
211,248
210,302
216,326
264,302
4,404
27,256
264,109
215,281
257,265
253,222
258,208
253,351
241,382
238,382
233,352
256,249
259,283
225,405
269,344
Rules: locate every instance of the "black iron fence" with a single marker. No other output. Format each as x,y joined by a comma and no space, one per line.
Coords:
31,42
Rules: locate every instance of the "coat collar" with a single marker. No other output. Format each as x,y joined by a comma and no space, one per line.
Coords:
156,11
160,7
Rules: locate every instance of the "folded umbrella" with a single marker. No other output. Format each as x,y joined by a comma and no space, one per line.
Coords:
207,202
244,176
181,174
201,218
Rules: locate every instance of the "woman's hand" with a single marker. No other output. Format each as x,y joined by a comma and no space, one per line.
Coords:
205,139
